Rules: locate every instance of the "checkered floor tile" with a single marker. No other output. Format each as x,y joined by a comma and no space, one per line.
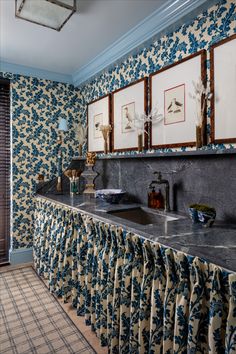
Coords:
31,319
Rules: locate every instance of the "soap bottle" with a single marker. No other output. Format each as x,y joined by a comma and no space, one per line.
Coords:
155,199
152,198
159,200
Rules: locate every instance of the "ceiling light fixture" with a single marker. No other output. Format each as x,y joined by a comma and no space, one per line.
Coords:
48,13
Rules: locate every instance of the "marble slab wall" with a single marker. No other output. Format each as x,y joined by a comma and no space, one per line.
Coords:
196,179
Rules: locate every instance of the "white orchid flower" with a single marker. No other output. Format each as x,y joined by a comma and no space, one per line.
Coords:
141,120
200,95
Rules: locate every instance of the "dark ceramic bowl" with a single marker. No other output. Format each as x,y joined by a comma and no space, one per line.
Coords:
206,218
112,196
193,214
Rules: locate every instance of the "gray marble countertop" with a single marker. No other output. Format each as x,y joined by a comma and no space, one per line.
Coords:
216,244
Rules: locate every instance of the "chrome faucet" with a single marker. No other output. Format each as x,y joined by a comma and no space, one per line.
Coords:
159,180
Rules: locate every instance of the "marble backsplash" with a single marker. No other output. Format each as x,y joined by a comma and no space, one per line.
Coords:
193,179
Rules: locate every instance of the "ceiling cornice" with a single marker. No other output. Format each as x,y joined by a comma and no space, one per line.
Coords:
160,19
34,72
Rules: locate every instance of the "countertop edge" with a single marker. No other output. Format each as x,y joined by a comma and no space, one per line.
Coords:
127,228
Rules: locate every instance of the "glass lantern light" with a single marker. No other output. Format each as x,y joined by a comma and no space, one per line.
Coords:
48,13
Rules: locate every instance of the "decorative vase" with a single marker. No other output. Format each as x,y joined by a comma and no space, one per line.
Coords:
89,174
193,214
199,137
206,218
59,185
80,149
105,146
140,142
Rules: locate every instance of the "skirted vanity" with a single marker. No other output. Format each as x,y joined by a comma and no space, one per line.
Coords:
167,287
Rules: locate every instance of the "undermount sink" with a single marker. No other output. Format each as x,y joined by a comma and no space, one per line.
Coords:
143,216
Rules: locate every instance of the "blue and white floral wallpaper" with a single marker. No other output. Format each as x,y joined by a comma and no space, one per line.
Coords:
37,105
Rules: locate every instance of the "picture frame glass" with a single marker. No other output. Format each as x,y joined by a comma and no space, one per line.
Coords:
170,89
224,91
98,114
127,103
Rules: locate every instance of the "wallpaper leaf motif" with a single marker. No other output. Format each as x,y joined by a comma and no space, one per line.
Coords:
37,105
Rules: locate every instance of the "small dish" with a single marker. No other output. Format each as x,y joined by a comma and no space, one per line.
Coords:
112,196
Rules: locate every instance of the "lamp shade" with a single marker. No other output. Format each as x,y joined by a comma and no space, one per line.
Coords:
63,125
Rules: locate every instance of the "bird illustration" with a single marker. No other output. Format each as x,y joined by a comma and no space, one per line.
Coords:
97,125
174,106
128,117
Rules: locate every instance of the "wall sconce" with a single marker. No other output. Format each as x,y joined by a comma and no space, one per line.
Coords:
62,127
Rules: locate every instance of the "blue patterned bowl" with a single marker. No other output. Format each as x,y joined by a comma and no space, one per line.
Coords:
112,196
193,214
206,218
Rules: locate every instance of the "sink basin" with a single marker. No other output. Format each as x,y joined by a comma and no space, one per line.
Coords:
143,216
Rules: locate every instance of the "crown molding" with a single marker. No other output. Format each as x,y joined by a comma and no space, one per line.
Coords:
163,17
34,72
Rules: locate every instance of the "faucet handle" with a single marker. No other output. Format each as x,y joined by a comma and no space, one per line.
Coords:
159,176
151,185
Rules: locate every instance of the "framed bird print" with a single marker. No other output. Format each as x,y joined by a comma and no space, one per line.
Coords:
223,88
98,114
171,88
174,104
128,103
